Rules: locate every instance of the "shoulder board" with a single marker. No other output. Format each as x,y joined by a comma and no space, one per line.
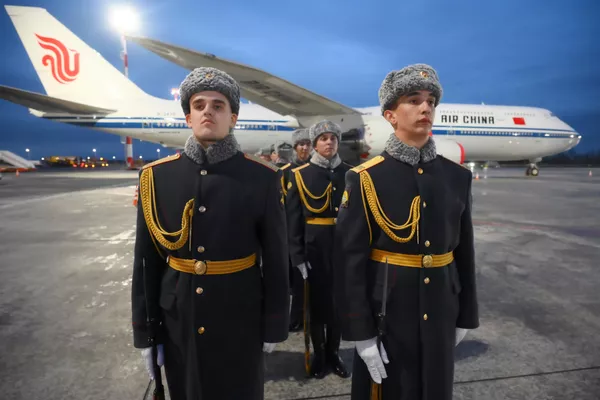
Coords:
300,167
368,164
259,160
286,166
162,160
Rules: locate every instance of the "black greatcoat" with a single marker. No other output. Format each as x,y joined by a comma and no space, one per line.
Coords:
424,305
214,326
314,243
296,280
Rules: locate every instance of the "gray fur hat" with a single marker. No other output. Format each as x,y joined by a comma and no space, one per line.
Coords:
324,127
409,79
298,135
283,149
209,79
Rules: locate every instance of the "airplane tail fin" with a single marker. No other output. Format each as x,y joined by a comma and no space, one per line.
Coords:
68,68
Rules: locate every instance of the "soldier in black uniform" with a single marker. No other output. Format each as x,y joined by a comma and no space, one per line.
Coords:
314,195
409,209
203,217
302,148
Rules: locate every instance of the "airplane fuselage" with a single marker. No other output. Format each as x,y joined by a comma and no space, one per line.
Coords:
490,133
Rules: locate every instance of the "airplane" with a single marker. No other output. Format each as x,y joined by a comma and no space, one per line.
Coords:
84,89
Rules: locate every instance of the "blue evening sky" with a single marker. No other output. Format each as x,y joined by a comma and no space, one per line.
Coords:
529,53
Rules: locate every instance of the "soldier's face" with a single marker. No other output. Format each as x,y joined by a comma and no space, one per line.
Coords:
210,117
266,158
414,113
303,149
274,156
327,145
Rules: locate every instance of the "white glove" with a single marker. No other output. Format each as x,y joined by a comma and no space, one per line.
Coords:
147,356
302,267
367,350
269,347
460,335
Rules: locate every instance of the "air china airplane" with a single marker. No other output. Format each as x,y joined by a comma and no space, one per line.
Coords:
86,90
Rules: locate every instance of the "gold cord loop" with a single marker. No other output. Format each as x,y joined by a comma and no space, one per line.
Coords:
303,191
370,197
148,197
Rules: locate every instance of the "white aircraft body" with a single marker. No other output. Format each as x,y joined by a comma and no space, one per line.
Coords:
86,90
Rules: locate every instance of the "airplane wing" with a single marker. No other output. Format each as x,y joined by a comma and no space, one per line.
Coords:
48,104
258,86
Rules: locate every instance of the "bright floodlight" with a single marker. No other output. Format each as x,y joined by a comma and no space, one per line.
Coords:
27,150
124,19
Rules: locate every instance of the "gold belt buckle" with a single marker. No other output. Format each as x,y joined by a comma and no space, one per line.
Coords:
427,261
200,268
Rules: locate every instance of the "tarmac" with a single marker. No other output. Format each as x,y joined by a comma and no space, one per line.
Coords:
66,247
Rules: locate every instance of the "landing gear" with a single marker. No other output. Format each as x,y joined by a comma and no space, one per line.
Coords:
532,170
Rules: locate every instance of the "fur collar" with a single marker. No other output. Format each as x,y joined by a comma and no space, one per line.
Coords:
215,153
409,154
322,162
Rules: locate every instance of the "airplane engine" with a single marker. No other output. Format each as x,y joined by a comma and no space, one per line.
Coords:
450,149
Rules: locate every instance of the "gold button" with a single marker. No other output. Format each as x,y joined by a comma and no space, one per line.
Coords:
425,317
201,330
420,171
334,188
424,205
426,280
201,249
200,268
199,290
427,261
203,172
336,209
427,243
202,209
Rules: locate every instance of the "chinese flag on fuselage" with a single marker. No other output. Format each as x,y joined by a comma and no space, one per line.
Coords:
519,121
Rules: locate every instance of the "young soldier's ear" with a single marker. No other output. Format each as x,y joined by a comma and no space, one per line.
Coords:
234,119
188,120
390,117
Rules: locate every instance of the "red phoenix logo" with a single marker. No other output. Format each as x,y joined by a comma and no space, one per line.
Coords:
64,68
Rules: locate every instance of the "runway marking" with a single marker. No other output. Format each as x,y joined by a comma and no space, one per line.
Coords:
125,235
536,374
501,378
21,202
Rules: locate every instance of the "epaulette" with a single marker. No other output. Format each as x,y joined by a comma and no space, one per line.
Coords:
300,167
259,160
286,166
368,164
162,160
